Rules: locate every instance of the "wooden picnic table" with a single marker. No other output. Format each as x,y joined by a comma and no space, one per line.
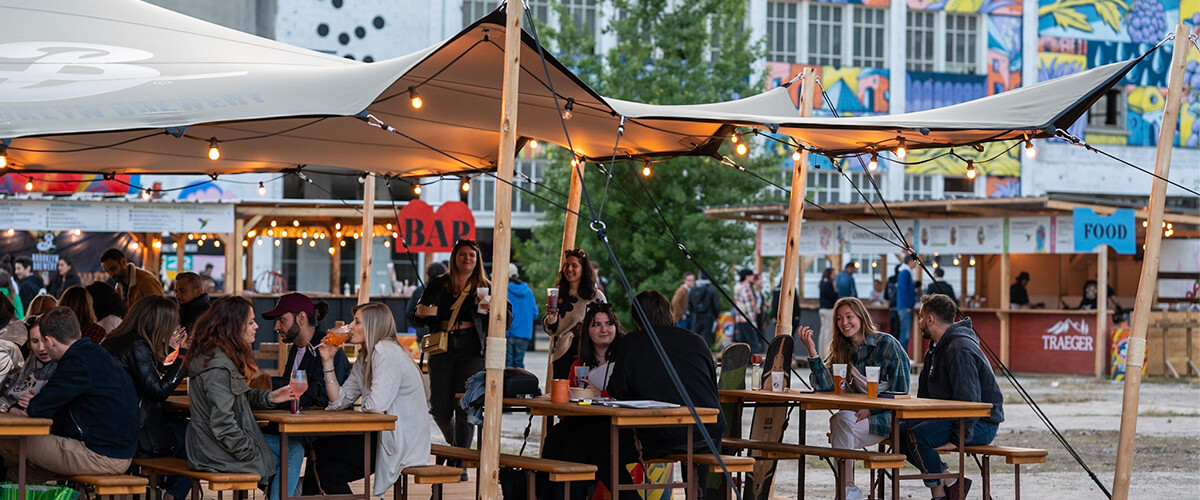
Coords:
902,406
625,418
22,427
319,422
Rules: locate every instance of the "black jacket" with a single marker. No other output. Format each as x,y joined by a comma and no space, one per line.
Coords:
192,309
828,295
153,384
60,283
638,373
943,288
91,399
435,294
704,300
314,370
30,286
956,369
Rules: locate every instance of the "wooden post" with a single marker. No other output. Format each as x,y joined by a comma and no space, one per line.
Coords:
962,291
248,282
335,266
488,480
1148,282
153,255
365,241
1102,309
791,256
1005,305
239,251
231,253
180,252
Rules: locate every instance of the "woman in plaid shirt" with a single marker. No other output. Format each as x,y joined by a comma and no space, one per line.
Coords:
856,343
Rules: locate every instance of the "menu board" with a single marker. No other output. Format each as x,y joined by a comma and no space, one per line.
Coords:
1029,235
105,216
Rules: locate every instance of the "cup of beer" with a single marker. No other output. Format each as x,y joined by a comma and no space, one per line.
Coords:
552,300
839,378
872,381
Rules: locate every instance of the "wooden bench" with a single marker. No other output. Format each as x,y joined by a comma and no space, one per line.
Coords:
872,460
558,470
237,482
433,475
108,485
734,464
1012,455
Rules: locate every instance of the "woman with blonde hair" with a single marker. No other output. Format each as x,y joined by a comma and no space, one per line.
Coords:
41,304
856,344
387,381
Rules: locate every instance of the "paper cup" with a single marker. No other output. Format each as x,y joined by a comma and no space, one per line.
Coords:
777,381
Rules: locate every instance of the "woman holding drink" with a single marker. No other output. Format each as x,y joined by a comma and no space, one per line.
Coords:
596,349
856,350
575,289
223,435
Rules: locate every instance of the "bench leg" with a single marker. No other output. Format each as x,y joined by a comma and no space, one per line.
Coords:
401,489
196,490
1017,480
531,485
987,477
437,491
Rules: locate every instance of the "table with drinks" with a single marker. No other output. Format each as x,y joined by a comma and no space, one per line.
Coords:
902,406
20,427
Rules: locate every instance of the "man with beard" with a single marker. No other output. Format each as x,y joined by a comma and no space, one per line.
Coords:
296,319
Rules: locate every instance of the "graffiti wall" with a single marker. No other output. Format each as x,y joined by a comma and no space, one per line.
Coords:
852,91
1075,35
69,184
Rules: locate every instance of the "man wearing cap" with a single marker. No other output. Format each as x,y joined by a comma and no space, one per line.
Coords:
296,319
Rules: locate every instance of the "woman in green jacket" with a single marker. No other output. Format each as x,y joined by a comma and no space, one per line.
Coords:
223,435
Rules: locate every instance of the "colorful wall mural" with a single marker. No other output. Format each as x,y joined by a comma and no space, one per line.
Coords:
69,183
853,91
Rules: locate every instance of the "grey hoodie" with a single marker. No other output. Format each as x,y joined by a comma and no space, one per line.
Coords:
956,369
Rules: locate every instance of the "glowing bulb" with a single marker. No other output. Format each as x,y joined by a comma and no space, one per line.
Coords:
331,250
146,194
971,170
857,265
874,264
76,232
214,153
341,243
312,243
251,233
395,234
1145,223
11,231
466,185
417,189
734,138
414,98
935,265
901,151
1170,226
1029,151
956,261
258,242
568,109
356,235
277,242
200,243
337,225
796,155
387,243
133,245
273,223
262,190
157,244
191,236
574,161
295,223
972,262
299,242
646,170
245,243
873,165
304,234
217,243
3,156
388,226
203,237
270,232
533,144
29,184
338,234
285,233
175,245
742,149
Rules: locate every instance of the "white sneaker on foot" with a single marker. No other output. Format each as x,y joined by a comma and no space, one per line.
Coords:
853,493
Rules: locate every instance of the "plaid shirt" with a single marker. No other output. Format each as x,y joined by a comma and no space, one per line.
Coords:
744,297
882,350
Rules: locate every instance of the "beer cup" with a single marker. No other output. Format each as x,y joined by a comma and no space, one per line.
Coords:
839,378
872,381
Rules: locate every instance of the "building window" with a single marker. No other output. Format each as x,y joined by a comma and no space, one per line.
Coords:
958,187
919,187
962,43
482,197
869,34
472,10
922,35
825,34
583,12
1108,113
782,29
865,186
824,188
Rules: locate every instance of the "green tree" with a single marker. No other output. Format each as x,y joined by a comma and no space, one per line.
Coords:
687,53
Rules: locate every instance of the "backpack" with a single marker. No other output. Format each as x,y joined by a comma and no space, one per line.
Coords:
889,291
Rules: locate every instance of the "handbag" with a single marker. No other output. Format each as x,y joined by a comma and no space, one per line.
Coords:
439,342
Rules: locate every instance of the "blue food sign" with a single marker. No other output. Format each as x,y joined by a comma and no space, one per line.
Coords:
1116,230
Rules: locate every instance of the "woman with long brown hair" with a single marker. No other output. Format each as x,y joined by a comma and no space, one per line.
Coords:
576,289
597,348
223,435
450,304
856,344
79,301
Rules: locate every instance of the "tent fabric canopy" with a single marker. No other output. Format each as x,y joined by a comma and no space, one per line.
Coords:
127,87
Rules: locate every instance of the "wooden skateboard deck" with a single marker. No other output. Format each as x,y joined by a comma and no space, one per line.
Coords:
734,361
769,422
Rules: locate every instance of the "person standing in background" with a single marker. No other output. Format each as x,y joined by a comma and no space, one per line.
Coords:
747,301
704,304
64,279
132,282
828,297
525,314
31,283
193,301
845,282
679,302
940,286
431,271
1018,296
906,298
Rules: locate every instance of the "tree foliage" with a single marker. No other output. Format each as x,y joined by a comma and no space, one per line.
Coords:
666,53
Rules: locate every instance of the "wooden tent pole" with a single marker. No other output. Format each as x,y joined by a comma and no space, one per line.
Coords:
365,240
180,252
489,448
1101,308
791,256
1005,306
1148,283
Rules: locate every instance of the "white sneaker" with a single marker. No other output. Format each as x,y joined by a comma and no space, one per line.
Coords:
853,493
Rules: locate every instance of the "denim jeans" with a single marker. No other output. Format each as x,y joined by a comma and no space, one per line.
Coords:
295,461
905,327
515,357
918,440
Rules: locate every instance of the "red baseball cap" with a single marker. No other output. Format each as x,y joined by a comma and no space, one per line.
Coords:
292,303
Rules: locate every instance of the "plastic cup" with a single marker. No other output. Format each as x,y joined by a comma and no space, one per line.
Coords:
872,381
484,297
552,299
839,378
559,391
777,381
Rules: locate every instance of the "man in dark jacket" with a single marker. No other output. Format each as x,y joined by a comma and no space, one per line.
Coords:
941,286
193,301
704,304
30,282
91,401
296,319
954,369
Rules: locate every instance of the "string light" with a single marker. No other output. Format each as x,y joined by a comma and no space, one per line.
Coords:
258,242
387,243
331,250
971,170
533,144
312,243
146,194
304,234
874,264
414,98
574,161
262,190
285,233
388,226
1029,151
1145,223
873,165
568,109
341,243
217,243
214,153
956,261
203,237
175,245
337,225
76,232
356,235
191,236
3,155
972,262
277,242
395,234
338,234
901,151
646,169
29,184
935,265
299,242
796,155
295,223
200,243
157,244
270,232
245,243
11,231
466,185
734,138
273,223
742,149
251,233
417,189
134,245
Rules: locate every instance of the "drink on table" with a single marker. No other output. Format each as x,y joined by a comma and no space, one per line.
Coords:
839,378
872,381
298,385
552,300
756,361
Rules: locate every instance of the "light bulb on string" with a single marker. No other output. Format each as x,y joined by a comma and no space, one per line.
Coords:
972,261
29,184
304,234
1029,151
11,231
646,169
338,234
874,264
356,235
134,245
277,242
299,242
203,237
271,232
214,153
285,233
533,144
273,223
901,150
388,226
312,243
258,241
245,243
191,236
415,99
387,243
252,233
956,261
295,223
331,250
200,243
873,165
1145,223
262,190
146,194
417,189
971,170
337,225
796,155
734,138
742,149
568,109
3,155
76,232
217,243
466,185
341,243
175,245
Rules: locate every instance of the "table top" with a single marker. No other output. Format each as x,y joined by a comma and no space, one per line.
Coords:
16,425
620,416
904,407
313,420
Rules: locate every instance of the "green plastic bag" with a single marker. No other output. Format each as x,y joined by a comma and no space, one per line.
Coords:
8,491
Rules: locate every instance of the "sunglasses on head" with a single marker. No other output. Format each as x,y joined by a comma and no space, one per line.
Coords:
576,252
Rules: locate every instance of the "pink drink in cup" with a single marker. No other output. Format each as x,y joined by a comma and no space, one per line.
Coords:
298,384
552,300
